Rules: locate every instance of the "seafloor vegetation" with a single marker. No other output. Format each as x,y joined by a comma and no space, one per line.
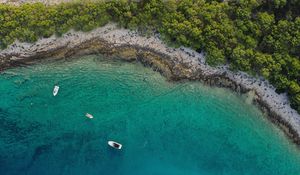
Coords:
261,37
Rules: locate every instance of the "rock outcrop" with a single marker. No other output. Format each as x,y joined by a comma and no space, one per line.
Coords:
175,64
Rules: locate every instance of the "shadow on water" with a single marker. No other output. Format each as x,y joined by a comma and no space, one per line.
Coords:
40,150
12,127
12,131
114,153
71,140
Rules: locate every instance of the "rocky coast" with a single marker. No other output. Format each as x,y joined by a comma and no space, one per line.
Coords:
174,63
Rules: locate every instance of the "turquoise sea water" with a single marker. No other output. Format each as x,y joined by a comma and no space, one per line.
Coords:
165,127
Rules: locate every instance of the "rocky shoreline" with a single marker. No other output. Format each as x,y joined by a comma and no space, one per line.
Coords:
175,64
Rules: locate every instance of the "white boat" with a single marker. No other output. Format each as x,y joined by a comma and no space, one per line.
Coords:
89,115
114,144
55,90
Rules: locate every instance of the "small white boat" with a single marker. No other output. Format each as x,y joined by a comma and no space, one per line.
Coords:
114,144
55,90
89,115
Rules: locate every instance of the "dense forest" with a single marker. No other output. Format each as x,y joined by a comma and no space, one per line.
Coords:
261,37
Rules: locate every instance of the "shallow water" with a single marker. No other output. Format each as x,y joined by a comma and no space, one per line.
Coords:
165,127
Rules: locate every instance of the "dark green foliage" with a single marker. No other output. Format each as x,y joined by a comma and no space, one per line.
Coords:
259,37
32,21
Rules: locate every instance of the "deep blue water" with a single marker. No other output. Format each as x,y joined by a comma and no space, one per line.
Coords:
165,127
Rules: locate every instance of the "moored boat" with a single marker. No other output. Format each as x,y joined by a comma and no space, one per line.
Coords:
55,90
89,115
114,144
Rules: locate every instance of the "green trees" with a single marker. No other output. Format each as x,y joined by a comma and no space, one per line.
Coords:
202,26
29,22
259,37
268,35
241,58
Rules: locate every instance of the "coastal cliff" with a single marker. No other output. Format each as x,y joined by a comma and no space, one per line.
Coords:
175,64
